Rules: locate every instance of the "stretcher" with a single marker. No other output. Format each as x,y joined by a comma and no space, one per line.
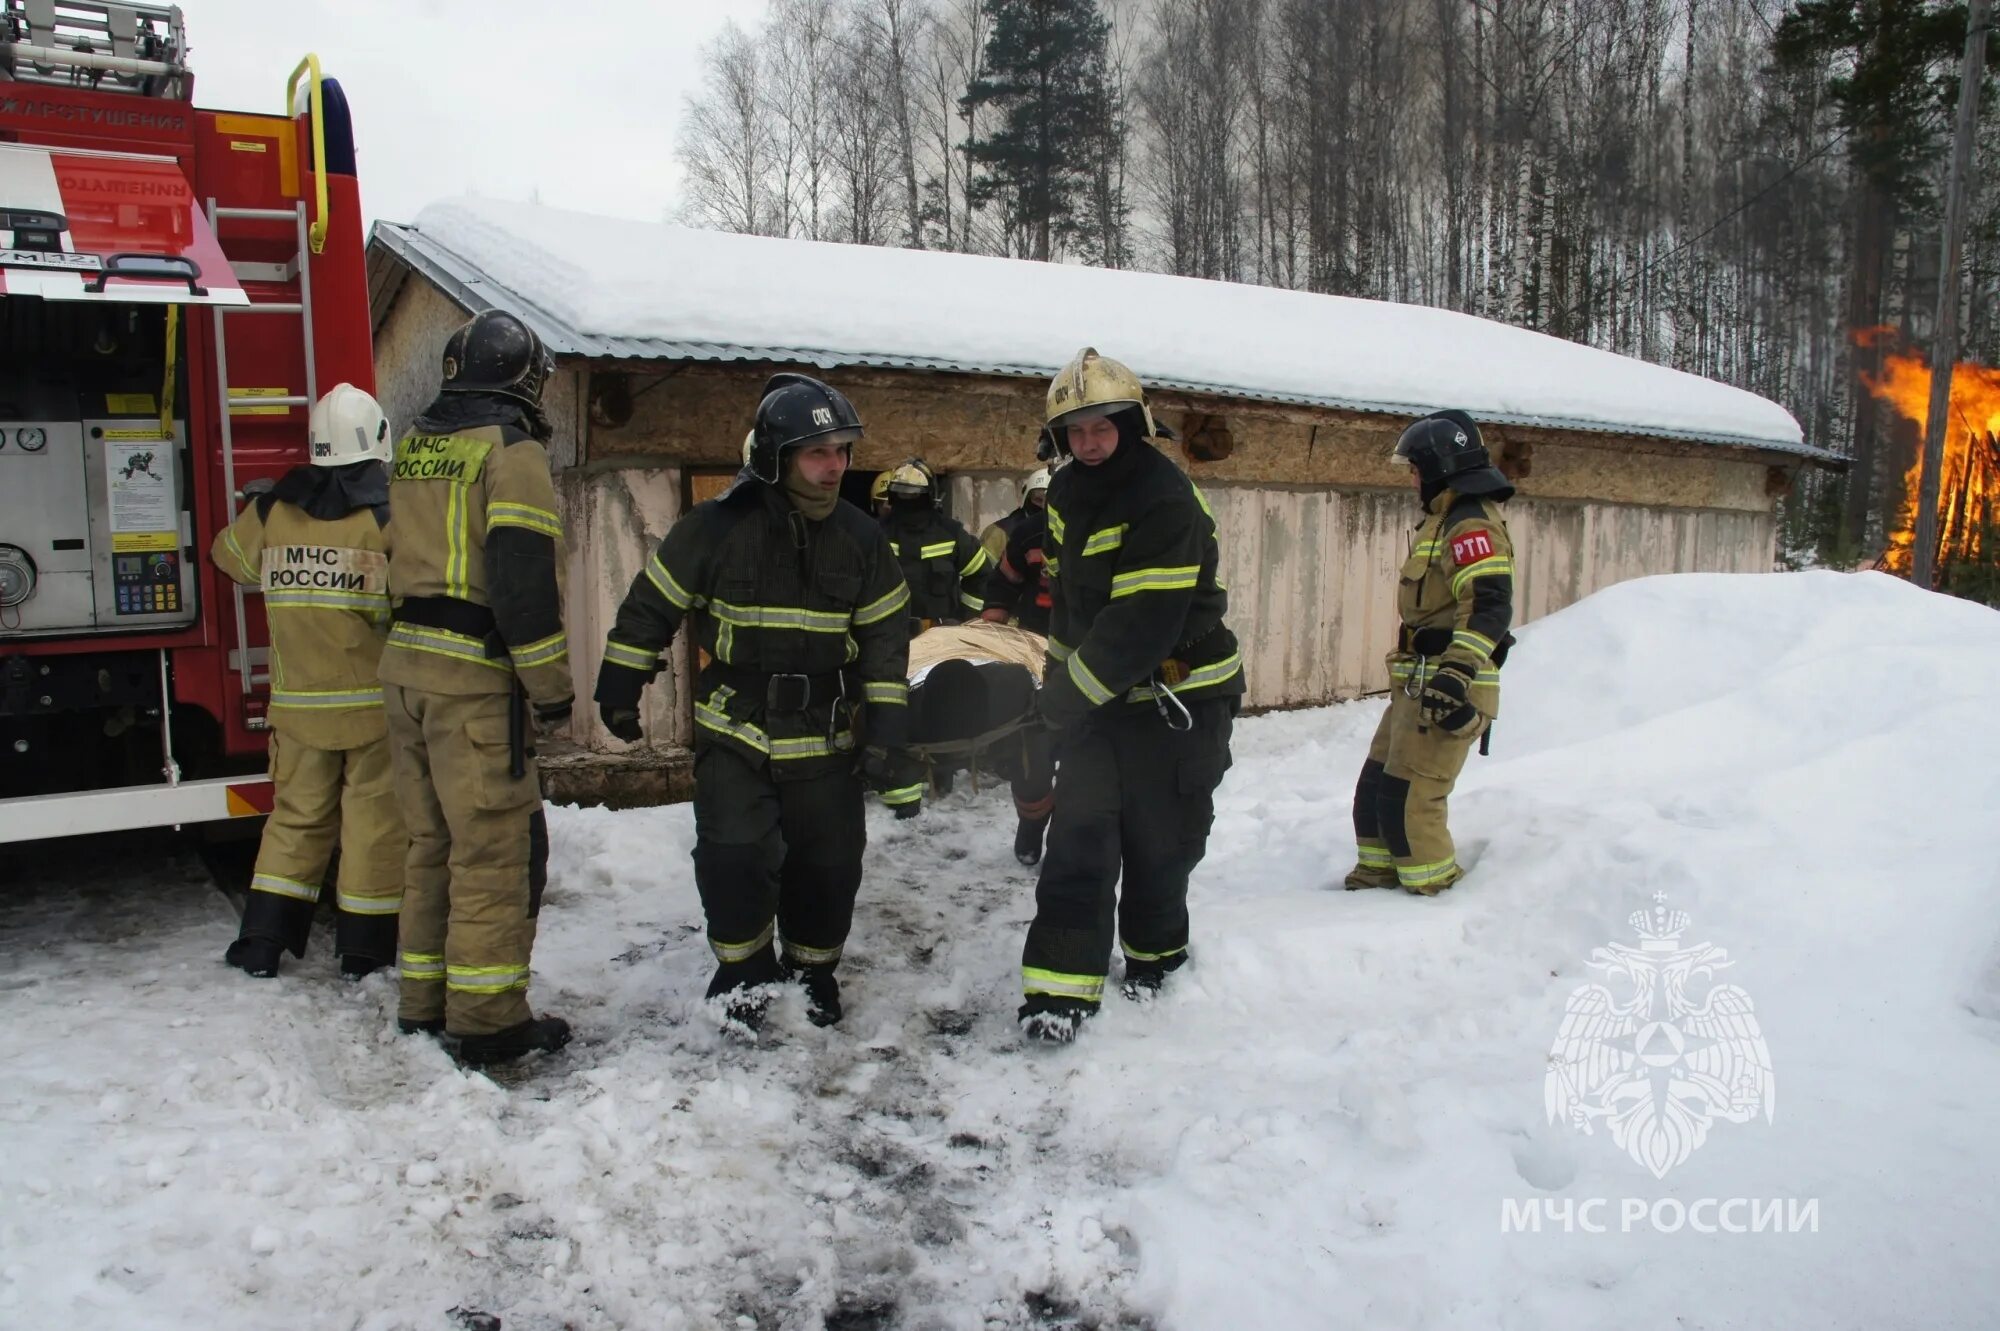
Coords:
972,698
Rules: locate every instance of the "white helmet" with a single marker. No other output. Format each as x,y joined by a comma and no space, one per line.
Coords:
749,441
347,427
1037,480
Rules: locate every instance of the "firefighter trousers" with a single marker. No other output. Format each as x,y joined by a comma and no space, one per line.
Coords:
479,851
774,860
1400,802
321,798
1132,796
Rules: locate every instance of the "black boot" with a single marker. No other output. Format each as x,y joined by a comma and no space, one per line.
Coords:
420,1025
744,988
1144,978
822,992
255,956
1046,1020
1028,839
535,1035
355,967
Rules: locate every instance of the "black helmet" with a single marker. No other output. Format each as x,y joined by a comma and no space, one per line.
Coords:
494,352
1446,450
1442,445
798,410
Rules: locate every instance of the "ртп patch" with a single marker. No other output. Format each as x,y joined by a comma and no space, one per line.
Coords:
1472,547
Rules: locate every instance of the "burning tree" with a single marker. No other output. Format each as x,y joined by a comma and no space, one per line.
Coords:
1968,556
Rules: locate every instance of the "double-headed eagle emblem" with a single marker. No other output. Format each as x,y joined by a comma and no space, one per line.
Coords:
1661,1067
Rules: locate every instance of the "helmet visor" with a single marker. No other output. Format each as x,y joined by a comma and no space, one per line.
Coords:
840,438
1094,411
1407,444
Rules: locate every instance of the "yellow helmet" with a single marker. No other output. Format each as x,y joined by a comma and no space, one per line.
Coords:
911,480
1090,386
878,489
749,441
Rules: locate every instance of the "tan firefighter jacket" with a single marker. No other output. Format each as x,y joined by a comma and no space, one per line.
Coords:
475,566
1456,597
326,597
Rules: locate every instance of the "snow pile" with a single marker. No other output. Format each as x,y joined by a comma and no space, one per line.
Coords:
1323,1123
830,303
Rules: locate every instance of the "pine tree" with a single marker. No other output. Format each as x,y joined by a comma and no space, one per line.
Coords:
1886,65
1046,74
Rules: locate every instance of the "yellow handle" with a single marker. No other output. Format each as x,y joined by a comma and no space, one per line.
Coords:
316,237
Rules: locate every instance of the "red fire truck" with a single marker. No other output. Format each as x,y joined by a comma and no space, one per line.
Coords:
177,286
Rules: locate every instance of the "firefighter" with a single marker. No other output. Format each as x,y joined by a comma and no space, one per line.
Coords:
1144,680
1456,601
943,565
1018,588
314,544
474,561
878,496
799,604
1034,502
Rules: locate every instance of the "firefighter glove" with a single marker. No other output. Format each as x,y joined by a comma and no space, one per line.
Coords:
896,776
621,721
1057,702
1446,703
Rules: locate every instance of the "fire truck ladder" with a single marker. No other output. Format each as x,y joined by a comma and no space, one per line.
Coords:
107,47
301,309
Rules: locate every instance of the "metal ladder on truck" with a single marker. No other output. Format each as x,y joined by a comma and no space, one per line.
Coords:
228,404
129,47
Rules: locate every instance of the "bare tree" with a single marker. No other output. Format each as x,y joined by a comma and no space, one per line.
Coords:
725,147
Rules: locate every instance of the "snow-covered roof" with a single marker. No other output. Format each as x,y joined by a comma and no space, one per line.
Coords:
612,288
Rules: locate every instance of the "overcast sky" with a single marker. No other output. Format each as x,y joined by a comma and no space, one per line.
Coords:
578,102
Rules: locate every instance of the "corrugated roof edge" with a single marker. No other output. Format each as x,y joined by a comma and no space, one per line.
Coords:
477,290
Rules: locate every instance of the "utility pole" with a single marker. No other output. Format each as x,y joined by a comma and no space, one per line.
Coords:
1944,338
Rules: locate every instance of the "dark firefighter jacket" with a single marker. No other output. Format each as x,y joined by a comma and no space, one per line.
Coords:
804,622
1019,583
944,567
1137,597
1456,597
475,557
325,580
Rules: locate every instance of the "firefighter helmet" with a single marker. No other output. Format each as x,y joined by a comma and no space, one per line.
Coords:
913,480
749,442
1442,445
878,489
348,426
494,352
798,410
1090,386
1037,480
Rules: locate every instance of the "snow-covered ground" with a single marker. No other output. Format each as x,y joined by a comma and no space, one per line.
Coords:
1325,1123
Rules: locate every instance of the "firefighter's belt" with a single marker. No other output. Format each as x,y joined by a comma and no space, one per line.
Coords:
1423,642
453,616
782,692
1435,642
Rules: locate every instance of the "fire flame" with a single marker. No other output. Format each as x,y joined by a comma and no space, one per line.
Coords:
1970,479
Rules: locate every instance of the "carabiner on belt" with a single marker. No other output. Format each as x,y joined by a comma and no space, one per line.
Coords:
1413,687
1172,710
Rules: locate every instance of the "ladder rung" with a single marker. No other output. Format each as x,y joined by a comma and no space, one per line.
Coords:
259,214
265,307
252,403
